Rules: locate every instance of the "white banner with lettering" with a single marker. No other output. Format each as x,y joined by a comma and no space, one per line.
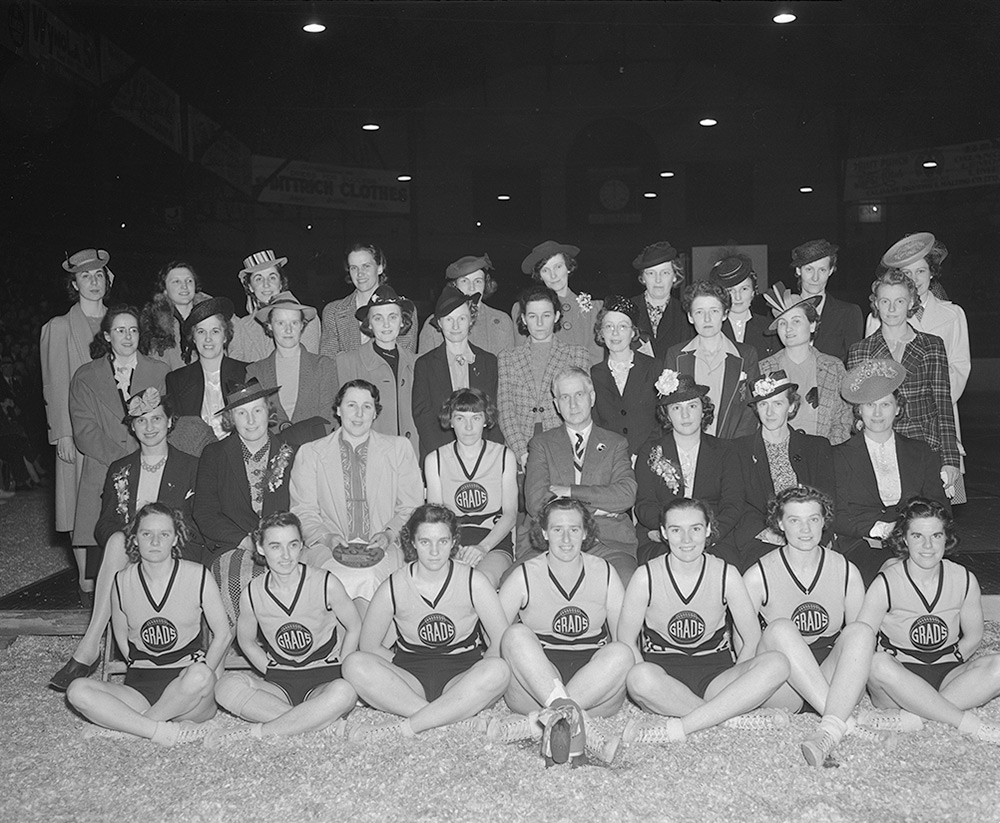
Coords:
299,183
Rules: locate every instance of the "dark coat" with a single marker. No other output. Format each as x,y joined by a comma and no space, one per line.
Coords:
186,386
840,327
756,334
633,413
674,326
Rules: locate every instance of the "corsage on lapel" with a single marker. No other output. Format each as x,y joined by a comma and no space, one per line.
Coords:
665,468
585,302
120,481
278,466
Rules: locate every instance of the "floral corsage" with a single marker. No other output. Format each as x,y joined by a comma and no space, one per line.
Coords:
120,480
278,466
665,468
585,302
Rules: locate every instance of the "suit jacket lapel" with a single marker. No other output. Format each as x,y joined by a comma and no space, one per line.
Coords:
593,458
730,380
80,330
134,467
685,363
234,454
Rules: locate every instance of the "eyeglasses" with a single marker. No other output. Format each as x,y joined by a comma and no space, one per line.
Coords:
125,330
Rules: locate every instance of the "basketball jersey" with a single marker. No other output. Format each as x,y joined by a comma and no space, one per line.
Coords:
475,494
816,607
693,624
168,632
446,625
571,620
304,634
918,631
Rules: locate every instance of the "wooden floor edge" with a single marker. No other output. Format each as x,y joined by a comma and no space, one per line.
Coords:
43,622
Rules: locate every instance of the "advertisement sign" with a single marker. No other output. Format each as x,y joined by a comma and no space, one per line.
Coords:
51,39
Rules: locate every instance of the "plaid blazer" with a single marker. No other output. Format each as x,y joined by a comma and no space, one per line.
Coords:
518,399
833,414
927,414
342,331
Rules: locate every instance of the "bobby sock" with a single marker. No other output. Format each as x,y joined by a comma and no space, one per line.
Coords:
834,726
970,723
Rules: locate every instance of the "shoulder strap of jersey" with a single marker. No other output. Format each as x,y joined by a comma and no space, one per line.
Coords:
201,593
725,578
392,591
527,588
763,579
326,592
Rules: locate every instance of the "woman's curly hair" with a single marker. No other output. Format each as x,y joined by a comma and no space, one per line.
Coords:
797,494
915,508
538,527
427,513
99,347
685,503
132,531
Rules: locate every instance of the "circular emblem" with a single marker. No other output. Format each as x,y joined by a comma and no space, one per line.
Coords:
471,497
686,628
158,634
294,639
928,632
810,619
570,621
436,630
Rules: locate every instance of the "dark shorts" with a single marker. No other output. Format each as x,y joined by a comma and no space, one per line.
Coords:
933,673
695,671
298,684
821,651
152,682
435,671
569,661
471,535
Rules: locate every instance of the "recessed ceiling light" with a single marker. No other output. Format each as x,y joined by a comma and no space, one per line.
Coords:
309,227
371,127
123,225
784,17
479,223
649,194
314,28
503,197
666,174
708,122
806,189
404,178
930,164
874,208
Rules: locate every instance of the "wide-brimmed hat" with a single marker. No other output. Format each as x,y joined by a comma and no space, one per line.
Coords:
208,308
284,300
260,260
910,249
811,251
467,265
655,254
872,380
384,296
88,260
451,298
782,301
243,393
674,387
141,403
731,270
543,251
769,385
615,302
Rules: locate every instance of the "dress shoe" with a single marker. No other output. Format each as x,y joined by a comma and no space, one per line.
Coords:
71,671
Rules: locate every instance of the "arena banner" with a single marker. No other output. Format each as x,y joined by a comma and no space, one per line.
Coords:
960,166
52,40
217,150
297,183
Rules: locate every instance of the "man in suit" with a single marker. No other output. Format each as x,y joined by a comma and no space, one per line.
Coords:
591,464
841,323
662,322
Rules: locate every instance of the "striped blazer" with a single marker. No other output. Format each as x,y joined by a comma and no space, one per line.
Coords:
833,414
342,332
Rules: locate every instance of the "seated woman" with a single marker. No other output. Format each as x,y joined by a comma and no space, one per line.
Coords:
776,457
563,653
808,598
623,381
455,364
685,462
156,472
159,602
199,389
353,490
928,613
296,625
263,279
676,618
823,411
879,469
440,670
477,479
306,382
384,363
177,291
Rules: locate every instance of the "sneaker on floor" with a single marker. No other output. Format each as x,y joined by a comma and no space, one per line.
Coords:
760,719
178,733
663,730
91,731
336,729
514,728
818,747
477,725
603,748
390,730
988,733
222,735
889,720
884,739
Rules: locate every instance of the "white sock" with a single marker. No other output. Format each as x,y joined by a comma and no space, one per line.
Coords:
834,725
970,723
558,691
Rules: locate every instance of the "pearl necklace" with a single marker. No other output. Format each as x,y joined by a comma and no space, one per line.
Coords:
153,467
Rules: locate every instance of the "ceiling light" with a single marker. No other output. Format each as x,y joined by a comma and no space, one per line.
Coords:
708,122
666,174
784,17
930,164
314,28
479,223
649,195
806,189
309,227
404,178
123,225
503,197
371,127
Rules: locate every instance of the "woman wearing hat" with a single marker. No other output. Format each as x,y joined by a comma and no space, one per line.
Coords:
822,411
493,330
623,381
774,458
98,394
662,321
155,472
455,364
383,362
64,347
735,274
199,389
815,262
552,263
880,469
178,290
263,278
365,267
306,382
927,412
920,257
685,462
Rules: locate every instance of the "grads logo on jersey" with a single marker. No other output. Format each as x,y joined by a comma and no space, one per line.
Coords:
570,621
158,634
294,639
810,619
471,498
928,633
436,630
686,628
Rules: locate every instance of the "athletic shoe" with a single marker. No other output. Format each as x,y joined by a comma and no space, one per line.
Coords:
603,748
988,733
220,736
886,739
818,747
376,731
889,720
514,728
663,730
477,725
90,731
178,733
760,720
336,729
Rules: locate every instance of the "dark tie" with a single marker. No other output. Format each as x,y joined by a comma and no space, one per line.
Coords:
578,454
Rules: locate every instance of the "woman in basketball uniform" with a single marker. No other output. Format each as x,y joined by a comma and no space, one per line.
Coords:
158,602
477,479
